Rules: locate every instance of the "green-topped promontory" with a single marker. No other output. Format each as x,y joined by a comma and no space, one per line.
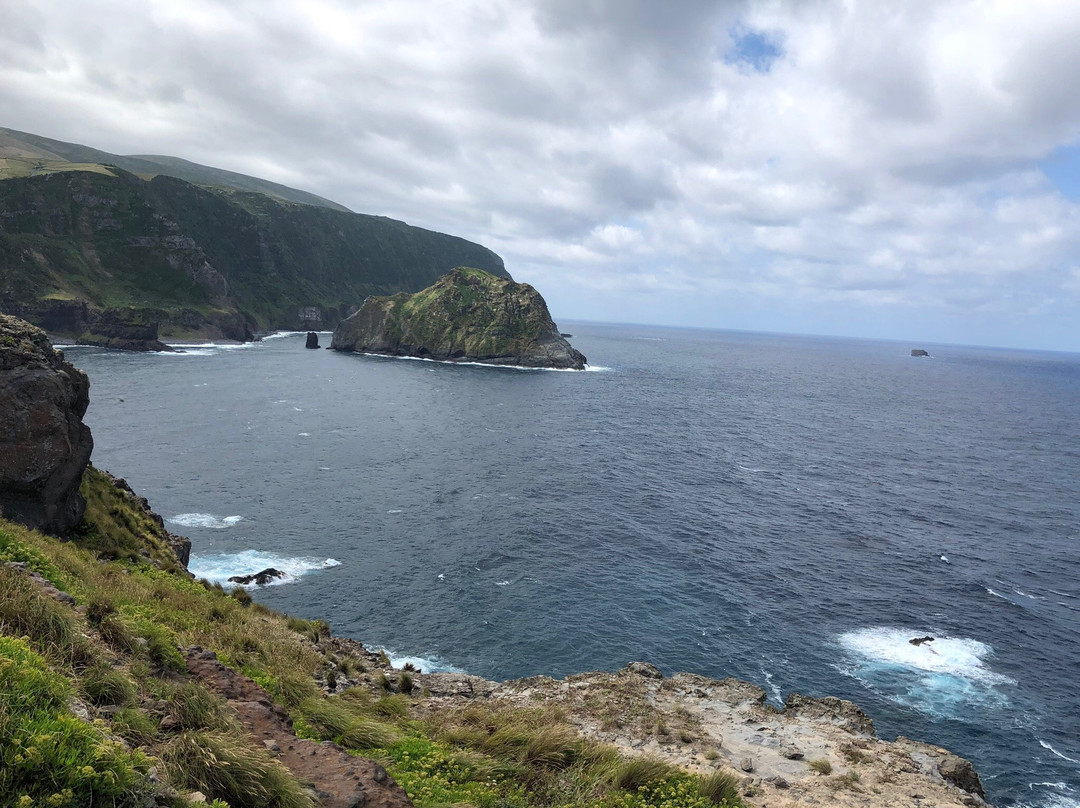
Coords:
468,315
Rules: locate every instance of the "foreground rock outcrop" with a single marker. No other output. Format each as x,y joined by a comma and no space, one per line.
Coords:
44,444
466,316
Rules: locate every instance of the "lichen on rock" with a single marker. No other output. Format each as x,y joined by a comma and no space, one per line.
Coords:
468,315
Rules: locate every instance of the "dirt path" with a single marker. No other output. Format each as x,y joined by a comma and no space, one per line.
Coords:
340,779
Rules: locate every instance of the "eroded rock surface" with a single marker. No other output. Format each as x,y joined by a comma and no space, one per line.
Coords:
44,444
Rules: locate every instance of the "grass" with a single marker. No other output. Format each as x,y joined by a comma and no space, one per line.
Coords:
122,651
226,766
47,755
821,766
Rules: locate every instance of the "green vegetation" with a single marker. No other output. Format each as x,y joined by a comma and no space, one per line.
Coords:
198,256
120,652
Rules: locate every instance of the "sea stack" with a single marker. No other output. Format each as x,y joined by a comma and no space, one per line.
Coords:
919,352
44,444
312,340
468,315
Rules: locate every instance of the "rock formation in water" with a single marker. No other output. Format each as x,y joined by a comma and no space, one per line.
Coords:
919,352
261,578
468,315
312,340
44,444
127,329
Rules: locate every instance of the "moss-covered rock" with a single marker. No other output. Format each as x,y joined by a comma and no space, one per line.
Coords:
468,315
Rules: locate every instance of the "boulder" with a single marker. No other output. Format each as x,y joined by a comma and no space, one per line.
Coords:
44,444
312,340
466,316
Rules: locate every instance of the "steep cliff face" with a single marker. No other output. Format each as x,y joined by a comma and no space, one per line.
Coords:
44,445
213,262
466,316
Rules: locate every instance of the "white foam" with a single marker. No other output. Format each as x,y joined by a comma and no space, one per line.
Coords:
429,664
395,510
1047,746
942,677
959,656
204,520
220,567
502,583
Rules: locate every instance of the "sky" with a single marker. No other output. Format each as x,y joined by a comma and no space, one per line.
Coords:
902,170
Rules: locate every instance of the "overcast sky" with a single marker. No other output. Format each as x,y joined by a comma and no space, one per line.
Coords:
902,169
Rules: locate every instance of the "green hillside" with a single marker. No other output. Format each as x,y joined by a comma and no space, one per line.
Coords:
77,239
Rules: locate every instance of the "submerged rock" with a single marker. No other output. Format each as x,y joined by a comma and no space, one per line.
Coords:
44,444
312,340
466,316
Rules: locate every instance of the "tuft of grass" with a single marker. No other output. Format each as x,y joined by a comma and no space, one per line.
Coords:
224,766
103,685
405,682
392,706
821,766
719,788
135,726
640,772
334,719
192,706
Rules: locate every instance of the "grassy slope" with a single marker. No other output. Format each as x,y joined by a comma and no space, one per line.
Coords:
29,146
119,652
123,241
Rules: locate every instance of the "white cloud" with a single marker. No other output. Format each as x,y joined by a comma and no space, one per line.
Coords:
882,155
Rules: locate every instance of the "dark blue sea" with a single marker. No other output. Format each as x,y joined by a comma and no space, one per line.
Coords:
788,510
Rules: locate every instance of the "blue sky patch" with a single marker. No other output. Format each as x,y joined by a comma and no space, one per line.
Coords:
1063,169
755,49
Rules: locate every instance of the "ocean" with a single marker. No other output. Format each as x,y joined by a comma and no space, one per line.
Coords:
787,510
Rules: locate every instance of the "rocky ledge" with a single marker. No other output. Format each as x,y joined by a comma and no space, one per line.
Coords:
44,445
812,751
466,316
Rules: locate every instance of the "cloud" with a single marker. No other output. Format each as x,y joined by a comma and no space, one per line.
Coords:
756,155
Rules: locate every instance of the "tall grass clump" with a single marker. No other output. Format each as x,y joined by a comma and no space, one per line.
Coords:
225,766
719,788
639,772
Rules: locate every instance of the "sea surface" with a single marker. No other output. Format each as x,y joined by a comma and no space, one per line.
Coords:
788,510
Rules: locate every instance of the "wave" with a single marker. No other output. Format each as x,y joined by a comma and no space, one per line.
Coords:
428,664
204,520
1049,748
944,677
220,567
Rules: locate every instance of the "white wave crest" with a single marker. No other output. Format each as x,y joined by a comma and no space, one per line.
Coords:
429,664
220,567
1048,747
204,520
942,677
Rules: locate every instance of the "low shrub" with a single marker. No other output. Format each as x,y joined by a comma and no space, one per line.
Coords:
821,766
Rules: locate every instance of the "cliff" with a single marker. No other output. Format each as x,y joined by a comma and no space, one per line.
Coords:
44,445
468,315
83,244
